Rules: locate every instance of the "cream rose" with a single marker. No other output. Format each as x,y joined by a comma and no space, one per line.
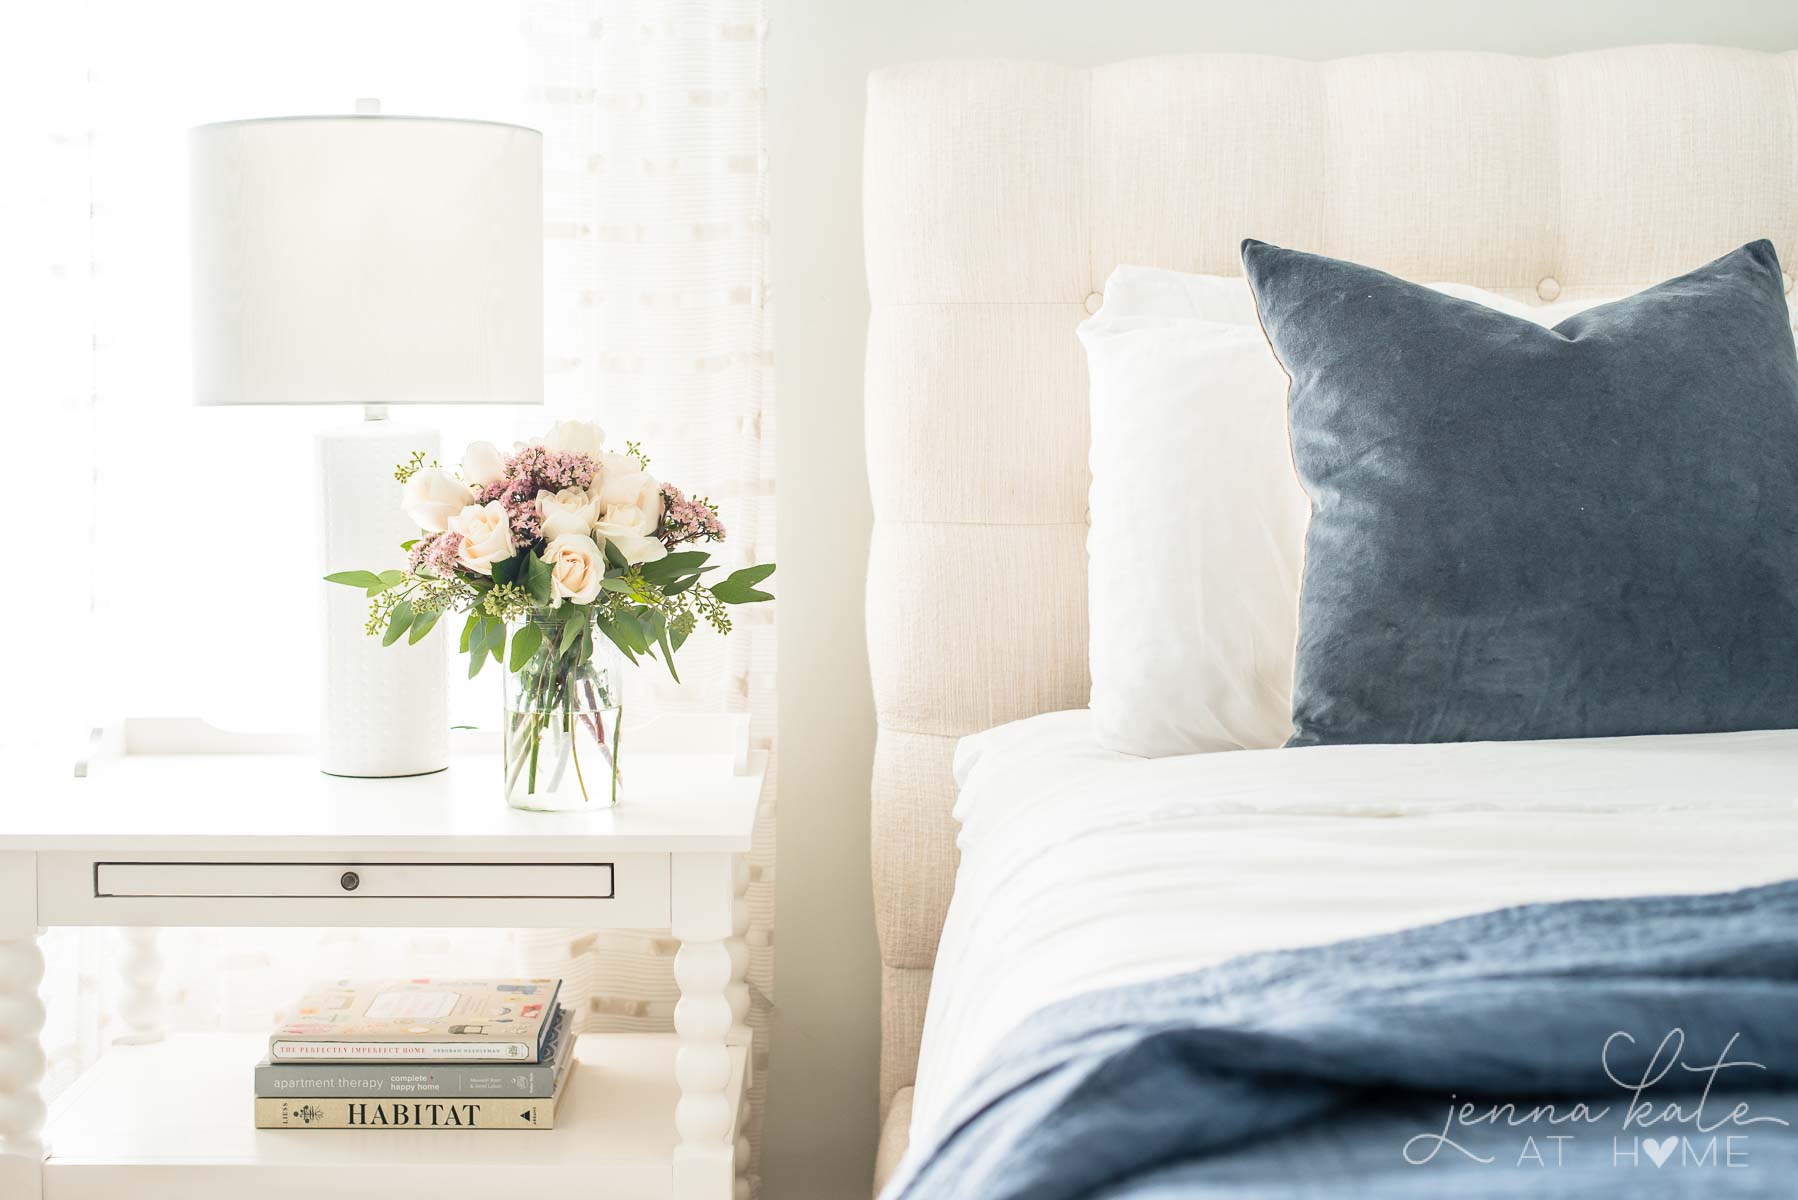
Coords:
570,510
631,523
432,497
630,508
620,480
575,568
576,437
635,547
482,464
486,536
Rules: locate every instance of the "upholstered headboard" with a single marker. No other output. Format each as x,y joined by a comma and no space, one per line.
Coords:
999,195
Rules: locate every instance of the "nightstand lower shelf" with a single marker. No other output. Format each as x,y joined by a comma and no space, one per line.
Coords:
172,1121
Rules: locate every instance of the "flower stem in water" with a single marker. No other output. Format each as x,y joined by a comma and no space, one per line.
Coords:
574,746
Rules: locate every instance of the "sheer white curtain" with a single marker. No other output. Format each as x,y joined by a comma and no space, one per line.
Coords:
47,326
656,225
656,317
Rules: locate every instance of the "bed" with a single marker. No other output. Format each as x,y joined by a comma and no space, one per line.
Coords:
998,198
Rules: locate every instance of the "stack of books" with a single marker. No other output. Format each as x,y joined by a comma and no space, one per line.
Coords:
419,1054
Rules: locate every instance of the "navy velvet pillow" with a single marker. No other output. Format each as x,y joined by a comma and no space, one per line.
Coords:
1520,532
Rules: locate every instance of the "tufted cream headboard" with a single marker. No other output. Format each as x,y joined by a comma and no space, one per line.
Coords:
999,195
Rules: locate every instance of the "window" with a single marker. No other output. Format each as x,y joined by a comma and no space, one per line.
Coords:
216,508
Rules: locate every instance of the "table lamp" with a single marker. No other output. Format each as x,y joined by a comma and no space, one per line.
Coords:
371,261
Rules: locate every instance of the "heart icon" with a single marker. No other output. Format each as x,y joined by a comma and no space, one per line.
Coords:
1662,1150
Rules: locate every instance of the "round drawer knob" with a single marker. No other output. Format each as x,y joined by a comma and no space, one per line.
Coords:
350,881
1548,288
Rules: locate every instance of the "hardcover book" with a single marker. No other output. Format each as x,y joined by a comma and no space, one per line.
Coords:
447,1112
420,1020
423,1080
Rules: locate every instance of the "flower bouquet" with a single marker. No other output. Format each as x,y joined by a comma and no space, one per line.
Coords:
540,548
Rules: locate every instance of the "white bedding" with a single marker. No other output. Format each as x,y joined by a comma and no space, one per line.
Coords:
1082,868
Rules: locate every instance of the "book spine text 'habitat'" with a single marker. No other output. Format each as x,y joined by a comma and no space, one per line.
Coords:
325,1112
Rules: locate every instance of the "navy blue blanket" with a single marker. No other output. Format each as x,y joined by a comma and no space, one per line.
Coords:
1638,1047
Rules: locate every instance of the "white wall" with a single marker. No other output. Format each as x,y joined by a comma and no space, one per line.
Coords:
821,1119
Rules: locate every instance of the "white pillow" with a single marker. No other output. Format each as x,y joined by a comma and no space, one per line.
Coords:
1198,522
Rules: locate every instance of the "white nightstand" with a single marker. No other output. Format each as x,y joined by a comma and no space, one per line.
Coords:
262,839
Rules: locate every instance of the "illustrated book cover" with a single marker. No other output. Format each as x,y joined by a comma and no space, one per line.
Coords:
420,1020
445,1112
422,1079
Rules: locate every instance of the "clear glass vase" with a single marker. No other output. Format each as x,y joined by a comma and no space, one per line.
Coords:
561,723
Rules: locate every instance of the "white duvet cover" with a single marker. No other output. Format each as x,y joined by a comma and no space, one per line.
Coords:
1082,868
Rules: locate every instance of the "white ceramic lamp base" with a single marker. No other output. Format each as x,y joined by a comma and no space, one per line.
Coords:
385,708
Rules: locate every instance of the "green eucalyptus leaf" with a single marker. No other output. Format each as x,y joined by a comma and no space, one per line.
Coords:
468,628
385,581
422,625
476,661
537,578
506,570
397,621
356,579
481,644
616,557
670,567
679,636
525,643
739,586
609,627
668,654
574,621
630,624
735,589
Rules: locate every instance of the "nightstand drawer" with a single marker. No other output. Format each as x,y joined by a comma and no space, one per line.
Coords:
571,881
514,891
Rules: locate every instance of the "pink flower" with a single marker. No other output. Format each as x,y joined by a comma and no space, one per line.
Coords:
685,520
527,471
436,553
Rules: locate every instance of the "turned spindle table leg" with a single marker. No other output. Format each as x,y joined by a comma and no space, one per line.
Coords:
704,907
21,1027
738,995
140,971
738,945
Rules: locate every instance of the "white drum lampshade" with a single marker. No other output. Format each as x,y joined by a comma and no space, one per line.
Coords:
371,261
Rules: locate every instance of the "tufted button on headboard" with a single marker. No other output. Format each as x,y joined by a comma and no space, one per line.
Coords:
999,195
